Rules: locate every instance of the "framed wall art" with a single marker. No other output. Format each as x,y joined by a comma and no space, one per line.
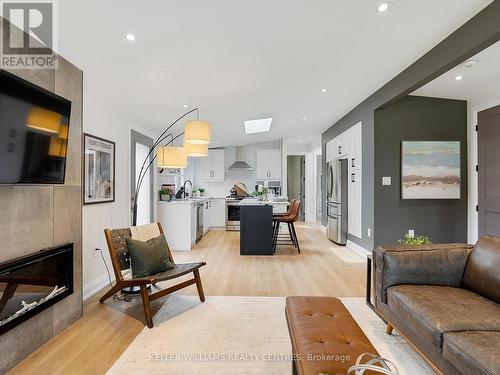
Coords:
430,170
98,170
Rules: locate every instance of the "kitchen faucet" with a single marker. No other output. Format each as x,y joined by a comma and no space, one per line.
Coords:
184,187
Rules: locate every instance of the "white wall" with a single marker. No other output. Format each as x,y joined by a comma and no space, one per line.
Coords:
101,120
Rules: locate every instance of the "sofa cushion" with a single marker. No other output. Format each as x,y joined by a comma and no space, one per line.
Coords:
482,274
432,310
475,352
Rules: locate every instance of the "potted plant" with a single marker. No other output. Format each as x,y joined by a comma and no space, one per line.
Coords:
165,194
261,193
418,240
202,191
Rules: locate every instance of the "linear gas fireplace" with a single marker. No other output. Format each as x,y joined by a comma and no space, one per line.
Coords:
30,284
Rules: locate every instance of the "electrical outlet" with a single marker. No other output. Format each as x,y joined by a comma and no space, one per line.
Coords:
411,233
386,181
369,232
96,251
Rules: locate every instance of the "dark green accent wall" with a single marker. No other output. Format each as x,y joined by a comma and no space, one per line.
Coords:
418,118
480,32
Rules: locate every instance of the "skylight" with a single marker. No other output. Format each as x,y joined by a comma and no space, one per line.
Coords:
258,126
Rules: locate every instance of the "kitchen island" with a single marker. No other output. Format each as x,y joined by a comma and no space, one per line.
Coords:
256,225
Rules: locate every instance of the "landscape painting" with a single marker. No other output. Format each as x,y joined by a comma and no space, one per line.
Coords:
430,170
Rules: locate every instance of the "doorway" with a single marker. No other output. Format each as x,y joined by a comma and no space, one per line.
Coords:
296,180
489,172
140,148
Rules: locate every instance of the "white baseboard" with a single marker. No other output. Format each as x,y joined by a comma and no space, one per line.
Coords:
92,287
361,251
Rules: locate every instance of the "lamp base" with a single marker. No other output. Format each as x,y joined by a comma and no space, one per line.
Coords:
133,290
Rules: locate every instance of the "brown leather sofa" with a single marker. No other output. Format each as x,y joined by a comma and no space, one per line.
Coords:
445,299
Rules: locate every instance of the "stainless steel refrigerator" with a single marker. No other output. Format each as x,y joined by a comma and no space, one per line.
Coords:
336,197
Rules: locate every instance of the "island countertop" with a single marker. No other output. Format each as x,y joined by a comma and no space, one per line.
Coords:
256,202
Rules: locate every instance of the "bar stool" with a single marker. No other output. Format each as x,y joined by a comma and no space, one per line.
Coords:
290,219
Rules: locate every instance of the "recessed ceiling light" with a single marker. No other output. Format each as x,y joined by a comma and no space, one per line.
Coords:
304,118
299,141
324,90
293,134
469,63
130,37
383,7
186,106
458,78
258,126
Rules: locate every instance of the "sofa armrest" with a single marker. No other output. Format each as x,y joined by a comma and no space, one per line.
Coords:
436,264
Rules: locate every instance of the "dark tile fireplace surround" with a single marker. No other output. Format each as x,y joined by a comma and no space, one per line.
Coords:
32,283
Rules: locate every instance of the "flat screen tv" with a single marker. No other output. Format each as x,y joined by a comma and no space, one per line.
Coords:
34,130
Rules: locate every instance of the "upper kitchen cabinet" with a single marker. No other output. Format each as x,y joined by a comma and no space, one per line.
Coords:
214,165
269,164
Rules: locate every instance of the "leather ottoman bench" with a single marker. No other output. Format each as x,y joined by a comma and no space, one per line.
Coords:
325,338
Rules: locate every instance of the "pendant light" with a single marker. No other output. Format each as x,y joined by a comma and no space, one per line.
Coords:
197,132
196,150
171,157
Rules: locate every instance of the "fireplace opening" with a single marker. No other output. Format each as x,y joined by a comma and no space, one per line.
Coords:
30,284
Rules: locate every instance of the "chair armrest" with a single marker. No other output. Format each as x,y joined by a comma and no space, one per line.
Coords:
436,264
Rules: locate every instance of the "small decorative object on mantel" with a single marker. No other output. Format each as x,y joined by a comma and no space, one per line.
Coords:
99,170
430,170
418,240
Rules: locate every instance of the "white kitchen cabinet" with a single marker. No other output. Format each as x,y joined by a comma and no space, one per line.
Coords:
207,210
179,222
214,165
269,164
218,213
354,207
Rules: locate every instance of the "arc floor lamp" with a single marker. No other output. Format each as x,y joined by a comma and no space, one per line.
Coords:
197,136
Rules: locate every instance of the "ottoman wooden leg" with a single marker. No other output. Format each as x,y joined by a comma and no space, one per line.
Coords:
389,328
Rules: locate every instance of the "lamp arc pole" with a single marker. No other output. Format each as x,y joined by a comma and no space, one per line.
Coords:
148,161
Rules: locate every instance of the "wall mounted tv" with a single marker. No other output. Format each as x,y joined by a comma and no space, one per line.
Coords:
34,130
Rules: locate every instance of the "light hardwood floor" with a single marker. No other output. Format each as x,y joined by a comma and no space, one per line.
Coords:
94,343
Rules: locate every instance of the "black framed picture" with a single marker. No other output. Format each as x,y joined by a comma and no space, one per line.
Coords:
98,170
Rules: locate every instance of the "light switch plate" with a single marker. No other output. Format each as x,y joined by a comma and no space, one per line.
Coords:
411,233
386,181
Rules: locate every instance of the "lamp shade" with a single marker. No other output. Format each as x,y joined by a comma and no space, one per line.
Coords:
197,132
196,150
44,120
171,157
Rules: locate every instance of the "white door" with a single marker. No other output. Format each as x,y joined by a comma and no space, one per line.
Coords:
354,215
262,165
274,164
140,147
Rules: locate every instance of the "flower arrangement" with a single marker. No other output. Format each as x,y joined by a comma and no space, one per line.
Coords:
418,240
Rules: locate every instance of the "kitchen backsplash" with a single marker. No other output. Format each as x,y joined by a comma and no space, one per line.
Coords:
221,189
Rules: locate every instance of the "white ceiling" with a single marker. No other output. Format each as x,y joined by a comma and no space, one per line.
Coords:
241,60
479,83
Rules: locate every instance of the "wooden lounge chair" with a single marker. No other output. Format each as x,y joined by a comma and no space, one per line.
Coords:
117,245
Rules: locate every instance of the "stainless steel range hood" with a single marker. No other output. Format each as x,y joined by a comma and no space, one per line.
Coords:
240,164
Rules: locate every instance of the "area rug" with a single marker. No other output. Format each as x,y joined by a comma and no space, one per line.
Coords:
239,335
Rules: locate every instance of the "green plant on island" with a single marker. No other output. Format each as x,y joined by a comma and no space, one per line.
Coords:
165,191
418,240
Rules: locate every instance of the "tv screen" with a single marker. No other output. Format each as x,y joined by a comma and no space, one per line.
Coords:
34,129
